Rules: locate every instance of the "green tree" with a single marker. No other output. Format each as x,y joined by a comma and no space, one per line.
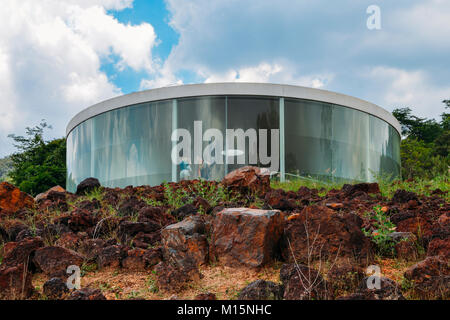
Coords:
38,165
425,147
419,160
419,128
442,143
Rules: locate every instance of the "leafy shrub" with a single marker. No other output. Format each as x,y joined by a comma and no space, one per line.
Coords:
383,227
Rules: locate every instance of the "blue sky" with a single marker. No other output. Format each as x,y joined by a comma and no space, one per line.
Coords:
57,57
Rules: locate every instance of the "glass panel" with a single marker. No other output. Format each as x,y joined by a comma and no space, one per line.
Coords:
333,142
308,138
349,143
211,112
253,113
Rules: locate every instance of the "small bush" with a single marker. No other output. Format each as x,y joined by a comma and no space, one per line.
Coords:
383,228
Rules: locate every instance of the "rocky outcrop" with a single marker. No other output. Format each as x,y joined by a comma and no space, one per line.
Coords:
54,198
403,196
87,185
111,256
52,194
355,190
345,278
22,252
248,179
13,200
430,278
330,236
405,245
53,261
278,199
15,282
185,241
248,237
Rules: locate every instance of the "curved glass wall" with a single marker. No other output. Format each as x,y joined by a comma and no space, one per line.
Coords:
132,145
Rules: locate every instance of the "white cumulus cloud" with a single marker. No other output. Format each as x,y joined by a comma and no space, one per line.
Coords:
401,88
51,53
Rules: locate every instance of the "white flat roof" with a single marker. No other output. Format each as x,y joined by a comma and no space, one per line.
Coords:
233,88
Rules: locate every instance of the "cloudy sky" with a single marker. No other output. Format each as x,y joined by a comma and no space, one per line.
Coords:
57,57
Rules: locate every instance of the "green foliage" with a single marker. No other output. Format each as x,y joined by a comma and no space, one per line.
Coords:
152,202
213,193
152,286
383,227
425,150
96,193
38,165
295,184
420,159
87,268
417,185
423,129
175,197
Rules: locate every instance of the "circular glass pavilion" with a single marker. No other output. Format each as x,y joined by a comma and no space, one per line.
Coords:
296,131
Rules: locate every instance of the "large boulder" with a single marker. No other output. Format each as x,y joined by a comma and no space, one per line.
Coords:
87,185
345,278
430,278
13,200
403,196
129,229
21,252
15,282
249,237
156,215
91,248
70,240
54,193
277,199
184,211
152,257
185,240
354,190
262,290
248,179
111,256
405,245
53,261
322,233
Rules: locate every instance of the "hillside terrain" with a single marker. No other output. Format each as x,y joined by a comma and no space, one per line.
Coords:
242,238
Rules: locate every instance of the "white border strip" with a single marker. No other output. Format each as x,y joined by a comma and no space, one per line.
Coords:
233,88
